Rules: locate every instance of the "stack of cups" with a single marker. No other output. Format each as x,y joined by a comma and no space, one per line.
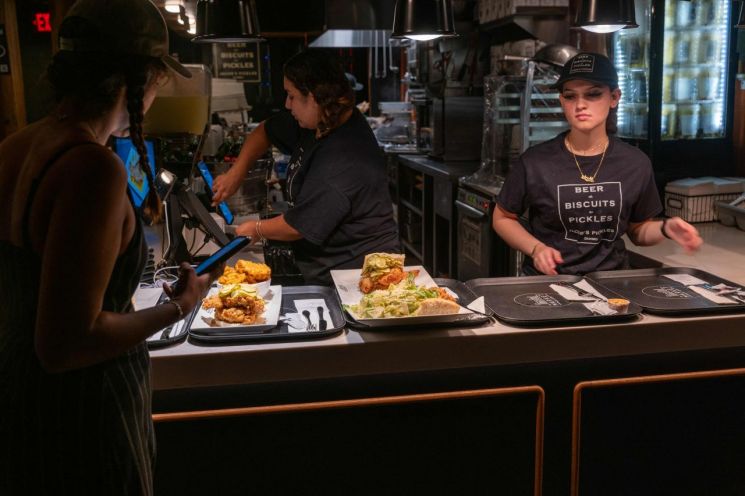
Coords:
688,119
667,124
685,81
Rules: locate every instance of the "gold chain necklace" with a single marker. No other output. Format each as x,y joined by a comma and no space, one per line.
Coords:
582,175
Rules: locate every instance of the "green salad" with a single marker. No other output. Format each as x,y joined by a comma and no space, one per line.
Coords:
400,300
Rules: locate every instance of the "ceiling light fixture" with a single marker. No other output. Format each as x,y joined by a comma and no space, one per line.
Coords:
605,16
423,20
225,21
174,6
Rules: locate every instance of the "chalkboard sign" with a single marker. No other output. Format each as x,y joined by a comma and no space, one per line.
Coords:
4,58
240,61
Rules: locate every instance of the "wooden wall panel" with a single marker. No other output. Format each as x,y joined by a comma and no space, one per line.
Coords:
12,106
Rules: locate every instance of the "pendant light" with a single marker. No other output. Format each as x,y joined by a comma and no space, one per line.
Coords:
174,6
606,16
423,20
226,21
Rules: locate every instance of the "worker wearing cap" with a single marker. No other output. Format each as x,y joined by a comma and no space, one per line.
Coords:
585,188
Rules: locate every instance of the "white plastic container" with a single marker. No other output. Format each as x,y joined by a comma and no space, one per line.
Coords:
694,199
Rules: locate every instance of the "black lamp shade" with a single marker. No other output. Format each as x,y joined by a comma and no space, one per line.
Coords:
606,12
423,17
223,21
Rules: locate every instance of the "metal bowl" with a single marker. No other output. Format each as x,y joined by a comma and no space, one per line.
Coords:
555,54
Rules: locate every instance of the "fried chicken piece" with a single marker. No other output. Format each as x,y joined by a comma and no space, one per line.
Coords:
395,276
366,285
444,294
253,272
232,315
231,276
212,302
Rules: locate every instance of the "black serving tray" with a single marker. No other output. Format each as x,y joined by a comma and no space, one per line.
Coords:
280,332
174,333
646,287
465,297
514,301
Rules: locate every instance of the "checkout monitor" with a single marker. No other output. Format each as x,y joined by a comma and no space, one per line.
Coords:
138,185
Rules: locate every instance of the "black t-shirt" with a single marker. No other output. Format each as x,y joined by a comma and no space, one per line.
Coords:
338,194
583,221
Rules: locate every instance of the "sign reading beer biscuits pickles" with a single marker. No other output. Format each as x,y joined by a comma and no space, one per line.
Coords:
240,61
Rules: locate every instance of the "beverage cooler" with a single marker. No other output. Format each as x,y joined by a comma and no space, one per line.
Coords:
677,73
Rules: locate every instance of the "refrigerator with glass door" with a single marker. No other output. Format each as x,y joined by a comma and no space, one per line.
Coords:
676,74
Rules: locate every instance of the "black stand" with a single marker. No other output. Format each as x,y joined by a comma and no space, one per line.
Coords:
183,208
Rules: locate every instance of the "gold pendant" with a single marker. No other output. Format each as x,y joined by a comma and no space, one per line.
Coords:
587,179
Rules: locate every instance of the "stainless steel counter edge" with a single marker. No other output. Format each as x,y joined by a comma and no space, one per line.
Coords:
400,351
450,170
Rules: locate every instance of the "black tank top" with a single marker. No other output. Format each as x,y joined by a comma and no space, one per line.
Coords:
85,431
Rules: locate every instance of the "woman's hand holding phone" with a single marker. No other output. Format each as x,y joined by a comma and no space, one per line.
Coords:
190,288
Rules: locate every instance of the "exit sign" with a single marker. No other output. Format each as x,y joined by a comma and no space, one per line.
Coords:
42,22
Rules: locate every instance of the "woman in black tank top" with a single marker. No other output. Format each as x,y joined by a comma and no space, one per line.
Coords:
74,370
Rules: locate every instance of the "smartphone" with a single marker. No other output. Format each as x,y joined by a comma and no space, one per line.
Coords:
222,254
222,207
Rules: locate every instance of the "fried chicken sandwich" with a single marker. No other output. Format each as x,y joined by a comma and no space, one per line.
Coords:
380,270
236,304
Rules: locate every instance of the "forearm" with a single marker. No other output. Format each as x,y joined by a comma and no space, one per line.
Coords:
111,335
515,235
277,229
646,233
254,147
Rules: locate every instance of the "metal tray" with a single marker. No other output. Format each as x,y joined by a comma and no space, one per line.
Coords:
465,296
174,333
513,301
281,332
660,295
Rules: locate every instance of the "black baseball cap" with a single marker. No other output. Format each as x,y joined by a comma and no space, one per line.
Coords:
593,67
133,27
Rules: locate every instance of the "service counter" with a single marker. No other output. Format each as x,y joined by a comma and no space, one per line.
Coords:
403,351
510,407
723,252
627,408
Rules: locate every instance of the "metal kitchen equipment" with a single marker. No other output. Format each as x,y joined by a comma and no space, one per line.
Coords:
481,252
519,111
399,128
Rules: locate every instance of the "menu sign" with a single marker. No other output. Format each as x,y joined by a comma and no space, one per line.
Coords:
240,61
4,58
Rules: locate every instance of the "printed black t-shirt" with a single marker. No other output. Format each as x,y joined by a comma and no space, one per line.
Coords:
583,221
338,195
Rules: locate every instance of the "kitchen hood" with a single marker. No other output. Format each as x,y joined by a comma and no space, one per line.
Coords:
356,23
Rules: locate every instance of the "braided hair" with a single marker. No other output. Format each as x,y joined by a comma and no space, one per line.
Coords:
94,80
136,82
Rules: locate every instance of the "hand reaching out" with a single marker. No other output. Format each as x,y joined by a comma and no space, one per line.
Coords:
224,186
683,233
545,259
